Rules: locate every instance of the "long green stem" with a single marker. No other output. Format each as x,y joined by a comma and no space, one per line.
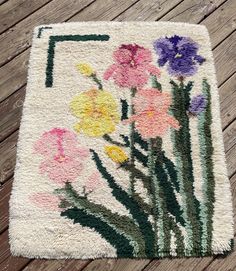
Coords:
181,100
156,202
132,131
206,151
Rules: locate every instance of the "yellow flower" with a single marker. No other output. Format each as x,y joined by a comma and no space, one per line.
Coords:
116,154
85,69
97,111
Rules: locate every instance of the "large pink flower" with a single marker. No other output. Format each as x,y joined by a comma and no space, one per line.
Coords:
151,113
132,66
63,157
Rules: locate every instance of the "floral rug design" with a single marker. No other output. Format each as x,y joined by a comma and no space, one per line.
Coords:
121,152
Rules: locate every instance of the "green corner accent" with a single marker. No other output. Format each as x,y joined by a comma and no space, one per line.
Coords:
40,30
124,249
124,198
51,50
206,152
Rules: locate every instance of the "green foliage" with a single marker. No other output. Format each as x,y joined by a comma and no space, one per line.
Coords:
123,246
123,197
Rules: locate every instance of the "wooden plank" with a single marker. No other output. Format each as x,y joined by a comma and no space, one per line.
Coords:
5,192
116,264
13,75
7,261
14,263
3,1
181,264
18,38
192,11
55,265
227,93
10,112
15,10
219,24
148,10
102,10
223,21
231,159
8,157
225,58
229,136
4,246
223,263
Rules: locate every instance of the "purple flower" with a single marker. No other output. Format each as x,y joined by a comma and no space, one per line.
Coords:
198,104
180,55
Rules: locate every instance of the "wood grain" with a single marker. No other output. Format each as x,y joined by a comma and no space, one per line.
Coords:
55,265
10,112
14,10
5,192
147,10
102,10
192,11
223,21
13,75
227,94
18,38
225,58
115,265
8,157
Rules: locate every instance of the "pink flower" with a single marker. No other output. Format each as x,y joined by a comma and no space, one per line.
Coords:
46,201
132,66
63,157
151,113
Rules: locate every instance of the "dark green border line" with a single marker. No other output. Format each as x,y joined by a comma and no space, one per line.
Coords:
51,50
40,30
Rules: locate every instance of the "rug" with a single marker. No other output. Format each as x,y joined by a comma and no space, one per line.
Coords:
120,150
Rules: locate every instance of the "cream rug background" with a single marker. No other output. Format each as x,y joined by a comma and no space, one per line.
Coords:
40,231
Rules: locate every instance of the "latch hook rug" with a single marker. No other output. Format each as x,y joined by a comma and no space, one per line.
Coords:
120,151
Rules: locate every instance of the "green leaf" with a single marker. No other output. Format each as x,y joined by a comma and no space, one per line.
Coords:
117,240
123,197
121,223
155,83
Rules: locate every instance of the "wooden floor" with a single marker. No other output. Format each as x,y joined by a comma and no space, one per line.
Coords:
19,17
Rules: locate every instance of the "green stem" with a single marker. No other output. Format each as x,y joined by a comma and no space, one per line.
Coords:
112,141
132,131
206,152
97,81
156,202
181,101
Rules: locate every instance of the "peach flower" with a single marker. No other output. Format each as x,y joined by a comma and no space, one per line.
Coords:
151,113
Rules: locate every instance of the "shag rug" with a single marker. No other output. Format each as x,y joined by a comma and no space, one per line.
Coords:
120,152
